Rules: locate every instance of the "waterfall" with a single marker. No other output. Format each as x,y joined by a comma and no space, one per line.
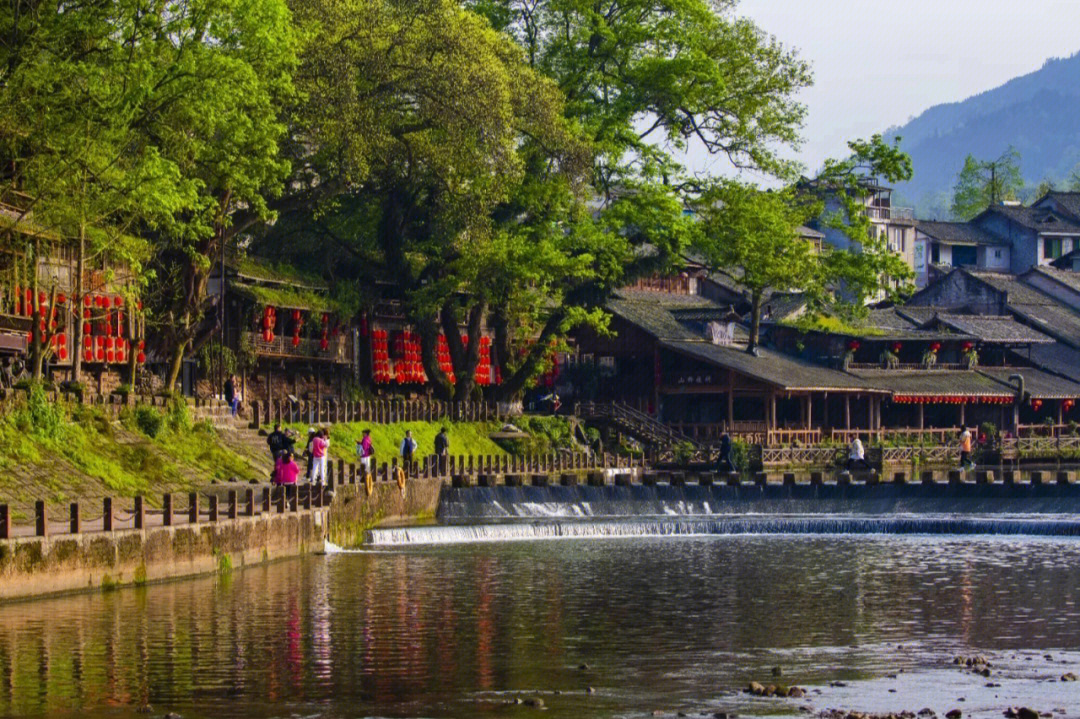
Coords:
665,527
486,504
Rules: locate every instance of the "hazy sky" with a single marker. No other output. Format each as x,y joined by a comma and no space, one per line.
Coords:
879,62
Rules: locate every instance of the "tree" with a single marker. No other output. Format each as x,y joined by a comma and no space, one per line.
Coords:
754,234
982,183
645,80
420,122
869,268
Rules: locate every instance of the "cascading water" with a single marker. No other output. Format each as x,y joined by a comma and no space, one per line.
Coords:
517,513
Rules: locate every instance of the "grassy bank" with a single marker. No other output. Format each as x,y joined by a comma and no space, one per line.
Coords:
465,438
60,453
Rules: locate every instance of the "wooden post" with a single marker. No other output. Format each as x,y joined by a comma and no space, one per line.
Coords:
249,503
193,508
847,411
293,492
41,519
307,496
166,510
140,512
231,510
922,416
107,515
213,508
266,500
76,525
5,522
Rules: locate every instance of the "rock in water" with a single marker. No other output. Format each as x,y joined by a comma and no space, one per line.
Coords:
755,688
1026,713
777,671
954,714
534,702
1068,677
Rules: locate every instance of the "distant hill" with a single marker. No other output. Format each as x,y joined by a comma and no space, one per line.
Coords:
1038,114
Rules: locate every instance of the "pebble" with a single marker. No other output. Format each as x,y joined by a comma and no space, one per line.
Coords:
583,667
777,671
954,714
534,702
590,690
1068,677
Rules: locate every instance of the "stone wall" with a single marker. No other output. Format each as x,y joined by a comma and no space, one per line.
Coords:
38,566
353,512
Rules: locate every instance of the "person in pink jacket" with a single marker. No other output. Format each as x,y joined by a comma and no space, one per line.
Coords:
286,470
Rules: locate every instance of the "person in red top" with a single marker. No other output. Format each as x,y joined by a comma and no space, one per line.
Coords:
286,470
319,446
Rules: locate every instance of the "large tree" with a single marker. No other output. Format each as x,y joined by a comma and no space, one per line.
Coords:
982,183
646,80
754,235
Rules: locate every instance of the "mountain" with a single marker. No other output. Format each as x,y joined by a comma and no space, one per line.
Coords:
1038,114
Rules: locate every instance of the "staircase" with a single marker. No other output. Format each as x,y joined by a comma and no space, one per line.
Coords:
236,434
628,420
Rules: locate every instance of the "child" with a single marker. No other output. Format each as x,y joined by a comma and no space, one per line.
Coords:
319,446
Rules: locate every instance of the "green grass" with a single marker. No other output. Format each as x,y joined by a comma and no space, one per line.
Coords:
91,455
465,438
834,325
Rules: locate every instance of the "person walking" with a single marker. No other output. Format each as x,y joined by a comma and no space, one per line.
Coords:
408,450
724,465
965,450
856,455
231,397
319,446
365,450
442,449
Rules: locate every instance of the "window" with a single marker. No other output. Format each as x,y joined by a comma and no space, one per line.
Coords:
1051,248
997,254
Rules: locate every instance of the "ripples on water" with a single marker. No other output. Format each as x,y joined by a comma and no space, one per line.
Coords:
456,630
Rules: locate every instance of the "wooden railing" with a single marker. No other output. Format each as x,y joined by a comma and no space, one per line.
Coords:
339,349
374,411
939,435
908,366
638,424
1045,430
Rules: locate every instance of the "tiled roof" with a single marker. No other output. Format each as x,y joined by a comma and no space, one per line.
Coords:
1036,308
932,382
805,231
1069,202
653,316
1068,278
890,319
1041,385
993,329
1035,218
771,367
958,232
1058,357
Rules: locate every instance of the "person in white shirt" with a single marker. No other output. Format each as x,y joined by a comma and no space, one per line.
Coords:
856,455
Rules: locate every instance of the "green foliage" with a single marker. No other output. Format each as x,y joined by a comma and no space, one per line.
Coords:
982,183
546,434
683,452
216,361
465,438
178,415
148,420
740,453
755,233
38,416
990,430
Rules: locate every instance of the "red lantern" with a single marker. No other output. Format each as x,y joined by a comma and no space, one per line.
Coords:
105,302
323,344
62,354
86,329
142,344
935,347
1068,404
118,301
110,356
88,355
896,347
62,339
61,298
968,346
87,301
295,340
140,358
266,335
101,355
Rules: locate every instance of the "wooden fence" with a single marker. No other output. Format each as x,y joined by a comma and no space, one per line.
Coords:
374,411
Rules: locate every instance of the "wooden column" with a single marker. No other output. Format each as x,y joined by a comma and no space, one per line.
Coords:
809,411
107,515
772,410
76,524
922,416
193,508
41,519
847,411
166,510
825,410
730,399
963,414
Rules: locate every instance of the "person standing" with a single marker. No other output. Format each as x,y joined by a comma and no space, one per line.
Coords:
965,450
231,397
724,463
408,450
276,441
307,452
319,446
442,449
365,450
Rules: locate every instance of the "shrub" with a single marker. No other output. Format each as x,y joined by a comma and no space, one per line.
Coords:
149,421
39,416
177,414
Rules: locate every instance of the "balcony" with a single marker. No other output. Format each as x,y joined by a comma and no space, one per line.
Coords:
891,214
339,350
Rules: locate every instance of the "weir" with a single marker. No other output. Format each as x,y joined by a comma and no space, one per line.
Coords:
536,512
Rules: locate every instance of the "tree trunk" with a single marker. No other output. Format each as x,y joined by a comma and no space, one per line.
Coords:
465,358
429,343
77,307
755,322
175,363
514,383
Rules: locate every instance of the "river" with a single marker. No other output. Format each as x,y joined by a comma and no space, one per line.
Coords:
631,627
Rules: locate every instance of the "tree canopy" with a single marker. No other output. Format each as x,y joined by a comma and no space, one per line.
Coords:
982,183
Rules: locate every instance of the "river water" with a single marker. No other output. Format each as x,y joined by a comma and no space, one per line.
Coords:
664,625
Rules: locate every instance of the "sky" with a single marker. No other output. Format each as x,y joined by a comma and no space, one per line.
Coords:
878,63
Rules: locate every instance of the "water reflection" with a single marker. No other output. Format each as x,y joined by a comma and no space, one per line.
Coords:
443,631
